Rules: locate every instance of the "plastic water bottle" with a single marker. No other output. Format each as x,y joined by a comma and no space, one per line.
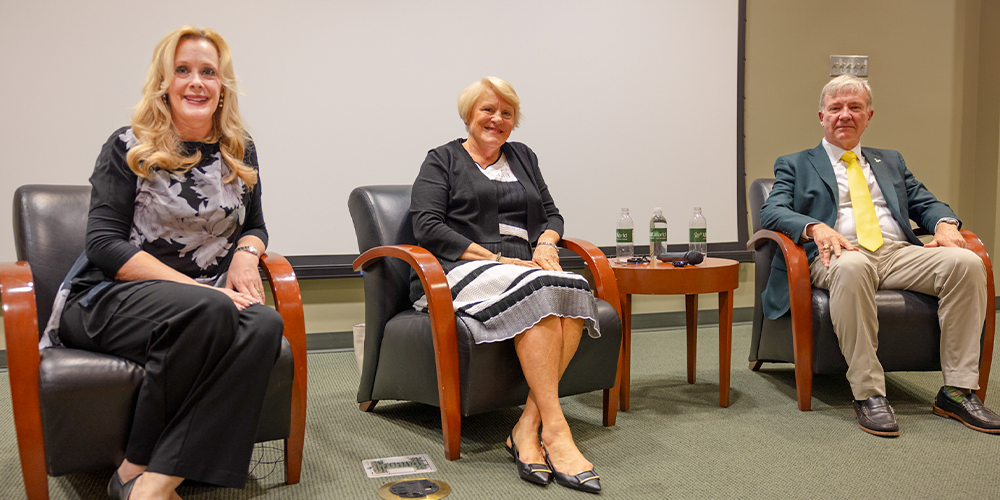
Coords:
698,228
623,238
657,233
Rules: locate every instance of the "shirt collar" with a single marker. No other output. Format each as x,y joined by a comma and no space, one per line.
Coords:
835,152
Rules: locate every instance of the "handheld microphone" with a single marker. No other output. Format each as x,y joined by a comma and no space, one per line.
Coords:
678,258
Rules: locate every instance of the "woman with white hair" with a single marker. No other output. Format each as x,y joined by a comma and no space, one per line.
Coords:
481,206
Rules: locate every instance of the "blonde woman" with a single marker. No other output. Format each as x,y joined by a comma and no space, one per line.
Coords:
170,279
480,205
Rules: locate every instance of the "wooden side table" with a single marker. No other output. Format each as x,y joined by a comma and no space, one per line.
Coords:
720,276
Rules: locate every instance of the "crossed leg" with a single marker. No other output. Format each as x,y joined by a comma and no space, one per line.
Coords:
545,351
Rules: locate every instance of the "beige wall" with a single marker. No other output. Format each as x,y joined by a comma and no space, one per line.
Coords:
933,70
933,67
916,72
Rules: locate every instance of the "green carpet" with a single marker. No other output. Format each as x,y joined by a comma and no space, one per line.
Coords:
675,442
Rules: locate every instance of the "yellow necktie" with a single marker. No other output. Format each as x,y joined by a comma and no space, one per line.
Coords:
865,221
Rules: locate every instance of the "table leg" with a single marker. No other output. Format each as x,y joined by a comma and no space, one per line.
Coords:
626,355
612,396
725,344
691,320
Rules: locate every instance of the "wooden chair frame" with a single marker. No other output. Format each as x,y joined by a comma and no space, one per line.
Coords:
442,315
20,319
800,297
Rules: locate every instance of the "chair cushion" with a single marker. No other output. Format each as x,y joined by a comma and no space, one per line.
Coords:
909,334
87,399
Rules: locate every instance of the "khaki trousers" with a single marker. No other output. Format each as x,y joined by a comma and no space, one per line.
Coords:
955,275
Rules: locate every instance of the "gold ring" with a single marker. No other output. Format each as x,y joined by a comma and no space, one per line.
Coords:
826,247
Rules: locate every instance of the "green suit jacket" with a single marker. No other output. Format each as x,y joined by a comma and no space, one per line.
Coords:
805,191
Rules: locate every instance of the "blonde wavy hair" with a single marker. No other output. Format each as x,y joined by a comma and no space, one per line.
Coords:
159,145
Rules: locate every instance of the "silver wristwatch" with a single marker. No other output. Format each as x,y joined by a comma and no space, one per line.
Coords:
249,248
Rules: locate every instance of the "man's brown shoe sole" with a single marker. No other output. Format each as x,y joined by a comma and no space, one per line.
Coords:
946,414
877,433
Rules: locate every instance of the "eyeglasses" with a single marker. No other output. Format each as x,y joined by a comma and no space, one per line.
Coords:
638,260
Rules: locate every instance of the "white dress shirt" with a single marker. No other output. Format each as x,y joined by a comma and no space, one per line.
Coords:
845,211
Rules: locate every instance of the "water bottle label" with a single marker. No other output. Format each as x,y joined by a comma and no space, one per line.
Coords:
657,234
623,236
699,235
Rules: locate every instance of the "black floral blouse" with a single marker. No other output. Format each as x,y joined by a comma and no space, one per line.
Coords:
190,221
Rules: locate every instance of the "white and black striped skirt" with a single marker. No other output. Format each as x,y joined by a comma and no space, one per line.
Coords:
498,301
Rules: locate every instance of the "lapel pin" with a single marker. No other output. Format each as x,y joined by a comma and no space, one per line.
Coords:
878,160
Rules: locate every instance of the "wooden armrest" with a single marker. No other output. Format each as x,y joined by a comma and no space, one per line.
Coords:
20,321
986,356
800,302
288,302
797,265
976,245
795,260
20,317
428,269
604,277
435,286
287,299
442,315
606,286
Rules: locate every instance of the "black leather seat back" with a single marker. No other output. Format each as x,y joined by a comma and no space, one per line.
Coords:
50,224
760,189
381,216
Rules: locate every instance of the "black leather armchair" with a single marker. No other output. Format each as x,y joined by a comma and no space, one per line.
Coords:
73,408
429,357
909,335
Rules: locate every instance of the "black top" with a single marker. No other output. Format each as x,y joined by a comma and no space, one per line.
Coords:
190,221
453,204
510,205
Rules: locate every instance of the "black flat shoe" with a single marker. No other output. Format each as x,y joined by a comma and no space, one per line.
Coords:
119,490
533,473
587,481
970,412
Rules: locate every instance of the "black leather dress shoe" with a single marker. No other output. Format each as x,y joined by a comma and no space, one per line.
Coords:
119,490
532,473
970,412
587,481
875,416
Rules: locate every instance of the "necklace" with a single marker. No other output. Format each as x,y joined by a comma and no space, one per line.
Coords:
480,160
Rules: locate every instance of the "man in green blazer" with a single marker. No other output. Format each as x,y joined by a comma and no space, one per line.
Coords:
851,206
